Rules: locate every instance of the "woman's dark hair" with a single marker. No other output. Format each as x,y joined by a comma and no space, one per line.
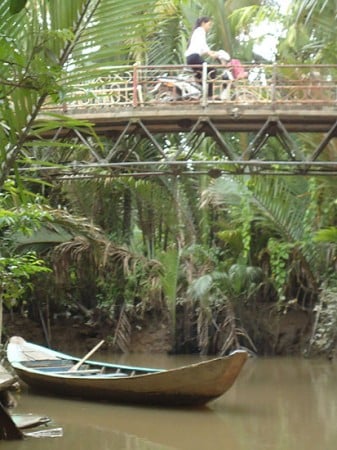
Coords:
201,20
198,23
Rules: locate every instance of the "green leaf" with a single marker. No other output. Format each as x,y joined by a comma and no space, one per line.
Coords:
16,6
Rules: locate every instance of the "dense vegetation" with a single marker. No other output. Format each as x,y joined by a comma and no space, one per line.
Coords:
223,261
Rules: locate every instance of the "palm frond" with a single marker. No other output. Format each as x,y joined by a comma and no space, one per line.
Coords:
280,202
200,287
122,335
326,235
116,33
49,45
282,208
170,261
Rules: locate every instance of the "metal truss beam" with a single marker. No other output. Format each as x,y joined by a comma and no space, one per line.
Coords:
219,126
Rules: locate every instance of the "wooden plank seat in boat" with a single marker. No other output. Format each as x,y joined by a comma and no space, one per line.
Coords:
114,375
47,363
62,367
78,372
97,372
54,369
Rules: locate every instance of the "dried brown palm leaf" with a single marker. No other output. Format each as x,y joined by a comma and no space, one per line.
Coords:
126,259
229,333
122,336
203,324
78,252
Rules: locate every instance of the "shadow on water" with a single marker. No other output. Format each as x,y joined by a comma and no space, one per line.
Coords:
279,403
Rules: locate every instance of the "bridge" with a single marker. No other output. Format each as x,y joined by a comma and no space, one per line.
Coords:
166,110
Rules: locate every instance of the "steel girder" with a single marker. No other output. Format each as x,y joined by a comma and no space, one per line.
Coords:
229,154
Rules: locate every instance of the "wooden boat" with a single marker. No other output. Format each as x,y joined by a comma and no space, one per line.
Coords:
57,373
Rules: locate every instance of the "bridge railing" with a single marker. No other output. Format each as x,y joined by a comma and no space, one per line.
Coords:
273,86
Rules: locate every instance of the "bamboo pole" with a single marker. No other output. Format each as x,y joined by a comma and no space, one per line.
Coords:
78,365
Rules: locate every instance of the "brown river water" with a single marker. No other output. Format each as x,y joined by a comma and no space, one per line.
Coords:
275,404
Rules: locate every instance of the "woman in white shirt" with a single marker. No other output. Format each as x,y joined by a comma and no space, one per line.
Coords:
198,48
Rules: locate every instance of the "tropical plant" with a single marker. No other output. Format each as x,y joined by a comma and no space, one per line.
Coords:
14,279
47,47
17,269
287,215
220,297
310,32
176,19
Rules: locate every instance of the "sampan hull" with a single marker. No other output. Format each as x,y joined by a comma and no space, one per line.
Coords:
195,384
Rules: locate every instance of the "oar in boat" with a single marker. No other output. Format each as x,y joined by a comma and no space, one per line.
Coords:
8,430
78,365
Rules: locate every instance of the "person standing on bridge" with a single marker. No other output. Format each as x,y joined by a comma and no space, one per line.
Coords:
198,49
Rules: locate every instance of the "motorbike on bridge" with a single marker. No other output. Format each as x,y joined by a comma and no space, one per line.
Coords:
186,86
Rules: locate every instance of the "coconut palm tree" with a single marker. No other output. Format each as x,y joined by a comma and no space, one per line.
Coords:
311,34
47,46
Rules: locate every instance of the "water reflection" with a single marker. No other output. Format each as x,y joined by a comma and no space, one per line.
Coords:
283,404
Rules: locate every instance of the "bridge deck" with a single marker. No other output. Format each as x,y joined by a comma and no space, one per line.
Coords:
230,117
168,98
149,101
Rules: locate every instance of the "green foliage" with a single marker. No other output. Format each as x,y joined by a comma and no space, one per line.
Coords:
15,273
279,218
279,253
170,261
246,228
136,289
239,283
243,220
310,33
24,219
326,235
233,240
16,270
38,46
218,298
16,6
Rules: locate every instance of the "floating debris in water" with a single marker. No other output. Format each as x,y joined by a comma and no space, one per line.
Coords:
53,432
